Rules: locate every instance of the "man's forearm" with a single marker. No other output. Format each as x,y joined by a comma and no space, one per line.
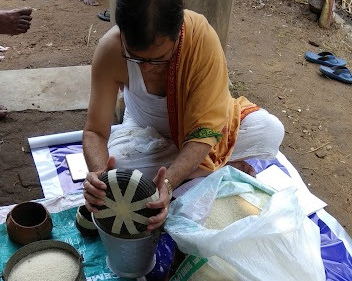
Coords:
95,151
188,160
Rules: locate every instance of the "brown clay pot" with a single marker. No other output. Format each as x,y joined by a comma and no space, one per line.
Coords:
28,222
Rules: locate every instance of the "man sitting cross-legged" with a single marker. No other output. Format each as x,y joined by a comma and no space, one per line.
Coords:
180,122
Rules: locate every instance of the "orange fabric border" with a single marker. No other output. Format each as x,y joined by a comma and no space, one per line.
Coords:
172,91
248,110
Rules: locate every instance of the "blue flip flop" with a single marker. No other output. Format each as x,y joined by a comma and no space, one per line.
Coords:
324,58
105,16
340,73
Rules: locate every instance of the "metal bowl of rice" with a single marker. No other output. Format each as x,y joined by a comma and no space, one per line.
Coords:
48,260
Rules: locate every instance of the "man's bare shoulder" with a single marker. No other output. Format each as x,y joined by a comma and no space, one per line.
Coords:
111,39
107,56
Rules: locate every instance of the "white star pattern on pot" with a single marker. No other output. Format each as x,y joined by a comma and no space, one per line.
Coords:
123,209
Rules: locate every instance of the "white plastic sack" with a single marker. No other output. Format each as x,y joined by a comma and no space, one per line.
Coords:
281,243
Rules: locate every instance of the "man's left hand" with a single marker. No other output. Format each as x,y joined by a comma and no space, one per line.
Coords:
162,204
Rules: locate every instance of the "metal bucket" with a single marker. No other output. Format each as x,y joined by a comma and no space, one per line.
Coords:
40,246
130,258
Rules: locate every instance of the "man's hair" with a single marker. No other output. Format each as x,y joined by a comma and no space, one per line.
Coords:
141,21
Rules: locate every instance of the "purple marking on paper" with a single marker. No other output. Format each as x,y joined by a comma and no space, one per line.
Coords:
58,153
261,165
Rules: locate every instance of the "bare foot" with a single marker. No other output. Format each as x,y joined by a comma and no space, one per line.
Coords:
3,112
90,2
2,49
15,21
244,167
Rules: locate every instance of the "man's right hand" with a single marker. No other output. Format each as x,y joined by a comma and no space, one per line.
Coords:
94,188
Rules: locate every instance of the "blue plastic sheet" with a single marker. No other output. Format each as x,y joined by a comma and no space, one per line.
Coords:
337,261
164,256
91,249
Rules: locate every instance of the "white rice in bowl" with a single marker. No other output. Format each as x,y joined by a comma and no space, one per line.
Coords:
46,265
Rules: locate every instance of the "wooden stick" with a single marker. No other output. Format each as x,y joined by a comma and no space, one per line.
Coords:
315,149
89,33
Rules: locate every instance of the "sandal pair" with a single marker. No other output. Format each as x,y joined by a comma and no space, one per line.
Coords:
331,66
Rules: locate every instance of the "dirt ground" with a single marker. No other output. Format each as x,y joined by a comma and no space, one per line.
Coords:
265,52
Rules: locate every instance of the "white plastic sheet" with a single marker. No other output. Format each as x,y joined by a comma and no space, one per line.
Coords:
58,139
281,243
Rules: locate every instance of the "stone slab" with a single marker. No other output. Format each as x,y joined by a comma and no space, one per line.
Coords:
45,89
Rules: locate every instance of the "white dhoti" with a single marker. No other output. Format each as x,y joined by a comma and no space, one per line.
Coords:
260,135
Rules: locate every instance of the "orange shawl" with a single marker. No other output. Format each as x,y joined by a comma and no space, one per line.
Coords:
199,102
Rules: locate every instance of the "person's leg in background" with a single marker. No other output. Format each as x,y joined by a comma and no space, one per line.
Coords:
260,136
3,111
112,12
14,22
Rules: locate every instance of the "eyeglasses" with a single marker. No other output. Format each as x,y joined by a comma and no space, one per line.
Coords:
150,61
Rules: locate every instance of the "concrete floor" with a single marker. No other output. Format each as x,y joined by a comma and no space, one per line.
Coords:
45,89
